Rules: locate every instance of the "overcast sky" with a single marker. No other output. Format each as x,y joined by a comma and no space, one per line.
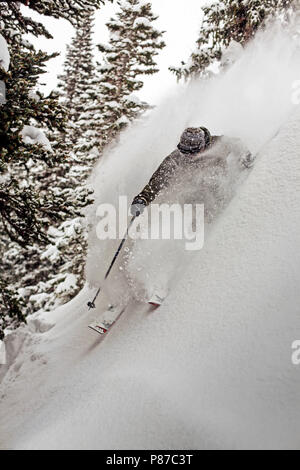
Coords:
181,19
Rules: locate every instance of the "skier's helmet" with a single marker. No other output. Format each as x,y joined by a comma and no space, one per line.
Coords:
194,140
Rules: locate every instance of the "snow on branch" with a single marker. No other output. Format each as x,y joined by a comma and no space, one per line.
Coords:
4,54
32,135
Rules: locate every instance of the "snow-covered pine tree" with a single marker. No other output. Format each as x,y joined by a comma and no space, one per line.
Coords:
77,85
226,21
64,259
34,193
71,10
134,43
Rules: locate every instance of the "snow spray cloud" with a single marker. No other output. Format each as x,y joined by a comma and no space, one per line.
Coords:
296,92
296,353
160,222
250,100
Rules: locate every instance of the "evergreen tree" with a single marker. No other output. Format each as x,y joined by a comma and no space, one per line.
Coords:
226,21
64,259
35,195
71,10
78,87
133,45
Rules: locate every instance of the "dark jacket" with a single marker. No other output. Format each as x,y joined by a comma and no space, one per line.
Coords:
215,155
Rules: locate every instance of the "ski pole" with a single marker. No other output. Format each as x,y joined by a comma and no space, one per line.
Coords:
92,303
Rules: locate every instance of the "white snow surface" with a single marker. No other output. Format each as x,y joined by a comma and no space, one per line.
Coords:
212,367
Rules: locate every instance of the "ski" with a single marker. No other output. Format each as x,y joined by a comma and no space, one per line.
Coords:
156,301
99,328
110,317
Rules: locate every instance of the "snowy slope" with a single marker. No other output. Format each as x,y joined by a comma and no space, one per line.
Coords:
211,369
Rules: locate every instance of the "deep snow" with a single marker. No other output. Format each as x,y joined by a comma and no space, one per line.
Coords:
212,368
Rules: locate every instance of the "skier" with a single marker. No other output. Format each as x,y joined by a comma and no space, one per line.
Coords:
206,160
196,146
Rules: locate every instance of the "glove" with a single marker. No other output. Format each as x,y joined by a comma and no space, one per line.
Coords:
137,207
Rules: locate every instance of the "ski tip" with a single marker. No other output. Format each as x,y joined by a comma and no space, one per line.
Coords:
156,301
154,305
99,329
